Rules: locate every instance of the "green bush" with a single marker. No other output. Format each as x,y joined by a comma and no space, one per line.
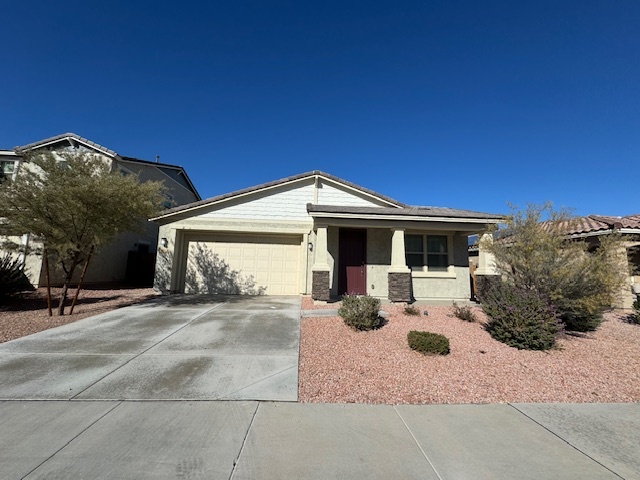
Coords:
428,343
361,312
411,310
464,313
12,277
523,319
578,315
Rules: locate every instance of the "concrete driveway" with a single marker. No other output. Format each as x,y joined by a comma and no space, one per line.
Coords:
172,348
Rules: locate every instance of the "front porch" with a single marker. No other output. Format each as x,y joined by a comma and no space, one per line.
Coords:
373,260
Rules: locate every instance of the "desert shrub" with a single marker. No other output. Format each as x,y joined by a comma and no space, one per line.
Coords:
428,343
580,279
578,315
464,313
523,319
411,310
361,312
12,277
485,283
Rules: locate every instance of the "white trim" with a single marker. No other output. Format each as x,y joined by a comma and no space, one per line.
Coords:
420,274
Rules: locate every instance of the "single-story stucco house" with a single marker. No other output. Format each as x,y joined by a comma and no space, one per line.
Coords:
317,234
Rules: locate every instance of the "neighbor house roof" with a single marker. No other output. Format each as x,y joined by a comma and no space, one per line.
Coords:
408,211
176,172
601,224
70,137
276,183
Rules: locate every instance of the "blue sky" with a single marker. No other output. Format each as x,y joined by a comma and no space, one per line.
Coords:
463,104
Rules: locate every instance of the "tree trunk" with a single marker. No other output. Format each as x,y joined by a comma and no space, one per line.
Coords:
65,288
84,270
46,267
63,296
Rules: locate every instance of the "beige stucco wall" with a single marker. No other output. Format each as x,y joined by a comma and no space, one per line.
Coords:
447,288
378,261
435,288
146,172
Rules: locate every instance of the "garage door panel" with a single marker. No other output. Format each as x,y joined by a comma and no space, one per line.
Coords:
246,264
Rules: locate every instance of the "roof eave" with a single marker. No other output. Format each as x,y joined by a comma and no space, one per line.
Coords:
413,218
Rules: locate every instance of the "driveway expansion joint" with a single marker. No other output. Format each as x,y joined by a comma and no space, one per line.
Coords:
565,441
424,454
71,440
244,441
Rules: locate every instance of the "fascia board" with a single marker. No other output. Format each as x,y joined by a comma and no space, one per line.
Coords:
405,218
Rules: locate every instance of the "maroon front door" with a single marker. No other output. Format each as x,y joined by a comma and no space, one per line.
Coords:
352,259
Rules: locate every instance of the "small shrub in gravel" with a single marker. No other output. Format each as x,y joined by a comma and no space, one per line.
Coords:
464,313
12,277
523,319
428,343
411,310
361,312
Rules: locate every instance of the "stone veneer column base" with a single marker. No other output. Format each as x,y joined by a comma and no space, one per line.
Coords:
399,287
320,286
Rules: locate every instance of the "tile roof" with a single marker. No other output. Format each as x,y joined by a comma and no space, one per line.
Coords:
408,211
599,223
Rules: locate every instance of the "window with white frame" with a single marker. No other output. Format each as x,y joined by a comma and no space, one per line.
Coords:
427,252
6,169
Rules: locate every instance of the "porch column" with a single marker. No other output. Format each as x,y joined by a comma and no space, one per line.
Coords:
399,275
486,260
486,270
321,273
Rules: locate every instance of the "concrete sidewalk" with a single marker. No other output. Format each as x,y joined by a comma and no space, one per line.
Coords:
264,440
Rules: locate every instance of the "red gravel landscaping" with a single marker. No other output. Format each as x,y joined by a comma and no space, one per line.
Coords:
338,364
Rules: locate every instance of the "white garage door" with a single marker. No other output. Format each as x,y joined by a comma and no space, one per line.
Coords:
245,264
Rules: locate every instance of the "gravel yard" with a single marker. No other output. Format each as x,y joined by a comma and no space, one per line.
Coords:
338,364
28,314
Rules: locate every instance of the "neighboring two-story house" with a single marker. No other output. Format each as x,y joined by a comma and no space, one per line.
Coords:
110,265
